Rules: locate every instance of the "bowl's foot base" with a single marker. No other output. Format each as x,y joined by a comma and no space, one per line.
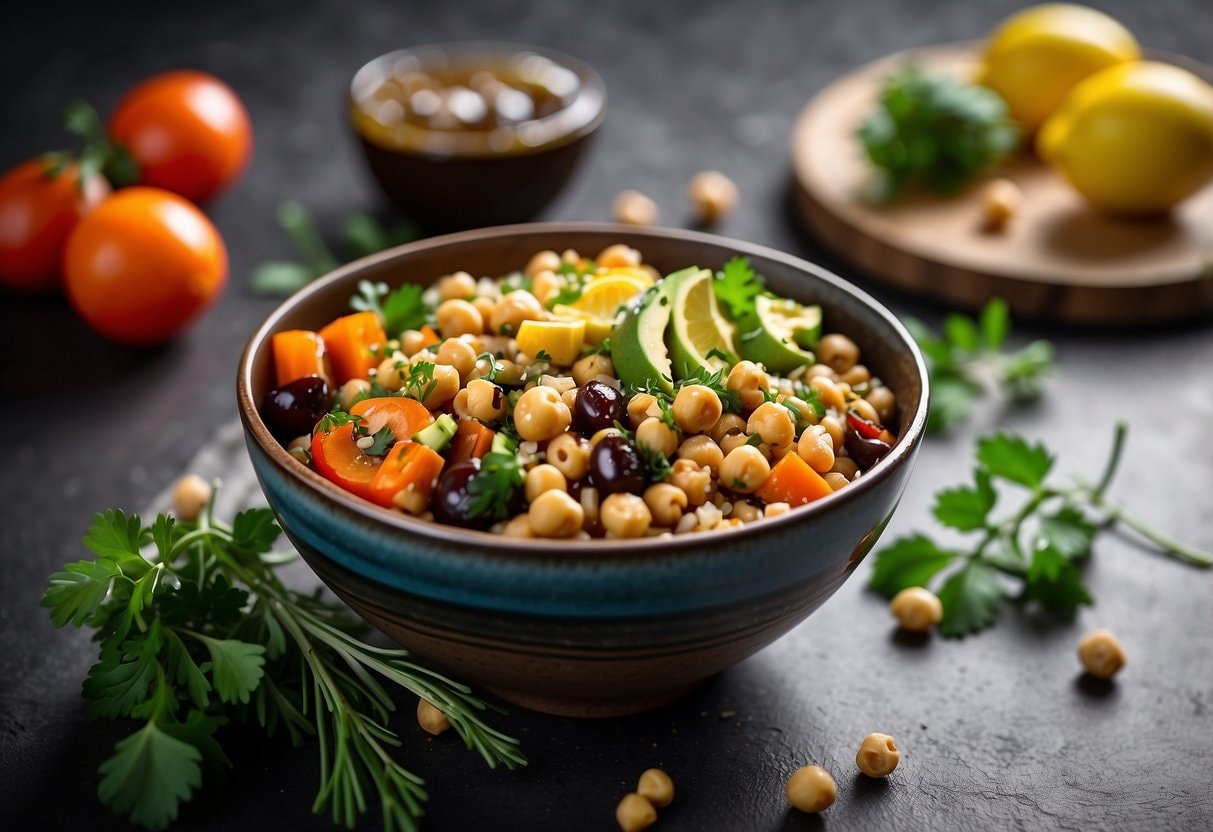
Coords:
591,708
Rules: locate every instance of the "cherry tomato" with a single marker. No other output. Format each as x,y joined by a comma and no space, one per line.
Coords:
142,265
37,213
187,131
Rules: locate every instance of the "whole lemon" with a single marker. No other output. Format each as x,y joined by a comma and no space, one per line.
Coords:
1134,139
1038,55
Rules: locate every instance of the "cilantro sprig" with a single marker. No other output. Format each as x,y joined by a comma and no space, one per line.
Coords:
736,286
400,308
495,485
934,129
1040,546
970,359
196,631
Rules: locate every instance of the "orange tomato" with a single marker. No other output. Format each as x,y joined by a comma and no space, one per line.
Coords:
188,132
37,213
142,265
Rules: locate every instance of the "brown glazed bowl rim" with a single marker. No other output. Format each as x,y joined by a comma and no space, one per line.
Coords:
483,543
580,117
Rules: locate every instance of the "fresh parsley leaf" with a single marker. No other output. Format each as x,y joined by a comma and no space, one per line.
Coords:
603,348
75,593
337,418
812,397
495,485
934,129
116,536
235,666
970,600
966,508
149,776
995,324
254,531
656,464
1023,370
1068,532
906,562
384,439
420,381
736,287
279,278
1054,582
543,355
401,308
1012,458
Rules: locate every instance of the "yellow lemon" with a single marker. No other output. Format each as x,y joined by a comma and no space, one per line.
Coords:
559,341
1038,55
1134,139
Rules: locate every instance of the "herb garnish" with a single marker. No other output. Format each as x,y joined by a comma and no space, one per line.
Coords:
196,630
420,381
400,308
656,464
969,359
935,129
736,286
494,486
1041,545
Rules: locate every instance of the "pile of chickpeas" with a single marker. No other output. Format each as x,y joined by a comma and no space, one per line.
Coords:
581,478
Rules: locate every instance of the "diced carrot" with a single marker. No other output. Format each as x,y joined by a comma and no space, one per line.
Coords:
428,336
403,415
472,440
338,459
299,353
410,467
792,481
350,341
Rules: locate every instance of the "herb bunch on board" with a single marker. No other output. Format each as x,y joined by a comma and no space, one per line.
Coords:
936,130
1041,545
197,631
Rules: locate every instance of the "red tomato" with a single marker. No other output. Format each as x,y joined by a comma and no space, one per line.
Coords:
142,265
188,132
37,213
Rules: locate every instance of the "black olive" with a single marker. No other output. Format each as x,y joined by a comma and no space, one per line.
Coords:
865,452
598,406
615,467
452,502
294,408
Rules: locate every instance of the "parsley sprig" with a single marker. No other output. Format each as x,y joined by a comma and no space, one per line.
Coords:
969,359
400,308
494,487
1041,545
736,286
196,631
934,129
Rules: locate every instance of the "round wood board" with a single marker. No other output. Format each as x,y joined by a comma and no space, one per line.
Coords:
1057,260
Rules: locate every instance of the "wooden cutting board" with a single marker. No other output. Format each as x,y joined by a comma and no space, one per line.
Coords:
1058,259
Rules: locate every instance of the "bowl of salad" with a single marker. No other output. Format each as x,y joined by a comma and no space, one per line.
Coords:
584,466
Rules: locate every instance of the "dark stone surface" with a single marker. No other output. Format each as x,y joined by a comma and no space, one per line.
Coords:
999,731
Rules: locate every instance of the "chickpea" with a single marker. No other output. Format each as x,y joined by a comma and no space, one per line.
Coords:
877,755
412,341
916,609
457,317
484,305
561,384
666,503
190,496
572,257
656,787
835,480
540,414
884,401
542,261
634,813
744,469
1000,201
352,391
864,410
833,426
1101,654
831,393
823,370
846,466
657,435
811,789
486,401
775,509
625,515
728,424
457,286
442,388
569,397
695,480
634,208
545,285
712,195
733,441
750,382
590,367
805,415
570,455
554,513
857,375
703,451
773,422
457,354
516,307
696,408
543,478
519,526
431,719
509,372
391,372
641,407
745,512
816,447
618,255
838,351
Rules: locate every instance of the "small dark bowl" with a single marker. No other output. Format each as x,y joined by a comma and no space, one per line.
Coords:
449,180
596,627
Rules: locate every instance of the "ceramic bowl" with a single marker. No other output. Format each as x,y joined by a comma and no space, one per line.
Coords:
596,627
450,179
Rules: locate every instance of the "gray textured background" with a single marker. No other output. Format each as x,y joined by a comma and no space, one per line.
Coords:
998,731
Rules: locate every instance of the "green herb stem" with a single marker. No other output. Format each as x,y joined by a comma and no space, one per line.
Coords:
1168,544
